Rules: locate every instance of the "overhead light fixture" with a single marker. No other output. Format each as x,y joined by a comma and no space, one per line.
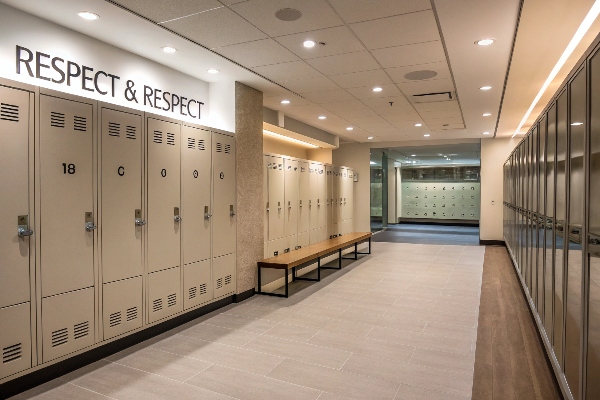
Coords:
579,34
212,71
485,88
418,124
377,89
485,42
90,16
373,163
322,117
370,138
413,155
289,139
349,128
285,102
427,135
169,49
576,123
440,155
486,133
309,43
486,114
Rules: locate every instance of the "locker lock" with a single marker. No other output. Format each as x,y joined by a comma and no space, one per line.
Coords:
207,215
300,203
231,213
289,204
279,205
23,226
268,207
177,216
89,222
138,218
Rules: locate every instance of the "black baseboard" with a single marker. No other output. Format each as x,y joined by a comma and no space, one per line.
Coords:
429,221
36,378
492,242
238,298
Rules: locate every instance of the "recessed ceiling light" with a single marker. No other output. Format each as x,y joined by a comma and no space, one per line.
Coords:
212,71
485,42
427,135
373,162
486,114
486,133
577,123
349,128
90,16
370,138
169,49
440,154
413,155
418,124
322,117
485,88
377,89
285,102
309,43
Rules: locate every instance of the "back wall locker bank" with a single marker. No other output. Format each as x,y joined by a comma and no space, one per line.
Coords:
116,220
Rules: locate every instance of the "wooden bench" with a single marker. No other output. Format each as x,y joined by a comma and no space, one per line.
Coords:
305,256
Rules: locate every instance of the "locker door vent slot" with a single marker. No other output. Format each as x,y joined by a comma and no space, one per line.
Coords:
203,289
11,353
157,137
171,300
132,313
9,112
157,305
227,149
60,337
171,139
191,143
227,279
57,119
130,132
80,123
114,129
219,148
219,283
115,319
81,330
201,144
192,292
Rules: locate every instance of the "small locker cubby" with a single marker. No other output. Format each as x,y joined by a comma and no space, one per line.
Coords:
15,339
224,275
197,284
164,294
122,306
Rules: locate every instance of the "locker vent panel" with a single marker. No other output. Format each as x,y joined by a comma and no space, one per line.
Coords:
130,132
219,148
171,300
11,353
191,143
201,144
57,119
81,330
60,336
203,289
157,305
80,123
219,283
227,149
157,138
227,279
114,129
9,112
115,319
171,139
132,313
192,292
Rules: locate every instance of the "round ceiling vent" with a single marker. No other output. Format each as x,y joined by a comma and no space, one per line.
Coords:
420,75
288,14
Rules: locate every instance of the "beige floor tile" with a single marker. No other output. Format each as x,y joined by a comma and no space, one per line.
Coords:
407,392
343,383
451,330
359,317
247,386
417,339
453,362
401,323
213,333
309,321
291,332
317,311
241,322
59,390
348,328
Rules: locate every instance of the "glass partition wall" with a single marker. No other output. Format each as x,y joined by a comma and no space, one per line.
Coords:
552,227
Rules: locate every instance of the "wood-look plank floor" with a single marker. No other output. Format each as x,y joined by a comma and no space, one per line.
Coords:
509,360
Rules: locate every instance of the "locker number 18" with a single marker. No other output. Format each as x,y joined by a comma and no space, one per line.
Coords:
68,168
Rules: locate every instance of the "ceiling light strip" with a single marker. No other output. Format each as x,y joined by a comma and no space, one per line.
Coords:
579,34
297,141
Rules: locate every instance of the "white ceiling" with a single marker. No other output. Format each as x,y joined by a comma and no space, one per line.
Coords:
368,43
431,155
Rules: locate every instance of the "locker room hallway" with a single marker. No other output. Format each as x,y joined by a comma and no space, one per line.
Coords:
429,234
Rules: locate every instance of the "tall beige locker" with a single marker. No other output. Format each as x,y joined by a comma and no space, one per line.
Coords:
197,215
330,199
224,200
313,201
275,205
163,177
323,197
266,164
291,175
15,231
304,195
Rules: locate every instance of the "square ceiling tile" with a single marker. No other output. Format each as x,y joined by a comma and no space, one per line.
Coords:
399,30
437,106
362,112
274,102
363,10
360,121
216,28
165,10
316,84
430,86
338,40
316,14
410,54
328,96
427,116
372,78
349,105
367,92
437,70
283,72
344,63
398,102
307,113
405,111
257,53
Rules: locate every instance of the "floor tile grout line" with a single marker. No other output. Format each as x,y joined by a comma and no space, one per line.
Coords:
90,390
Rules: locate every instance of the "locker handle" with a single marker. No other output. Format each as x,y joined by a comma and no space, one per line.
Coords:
23,226
231,213
207,215
177,216
139,222
90,226
22,232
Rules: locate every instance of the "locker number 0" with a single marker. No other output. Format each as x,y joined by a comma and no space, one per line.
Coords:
163,173
195,173
68,168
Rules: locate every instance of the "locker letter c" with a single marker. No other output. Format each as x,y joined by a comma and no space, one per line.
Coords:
121,171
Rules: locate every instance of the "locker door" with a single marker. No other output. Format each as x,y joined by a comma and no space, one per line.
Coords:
304,196
330,199
196,208
121,191
224,200
290,197
350,194
266,165
322,197
163,174
14,184
313,183
276,198
67,205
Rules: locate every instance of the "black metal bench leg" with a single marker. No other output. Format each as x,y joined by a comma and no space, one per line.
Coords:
293,274
340,259
287,290
318,269
259,284
356,251
369,246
